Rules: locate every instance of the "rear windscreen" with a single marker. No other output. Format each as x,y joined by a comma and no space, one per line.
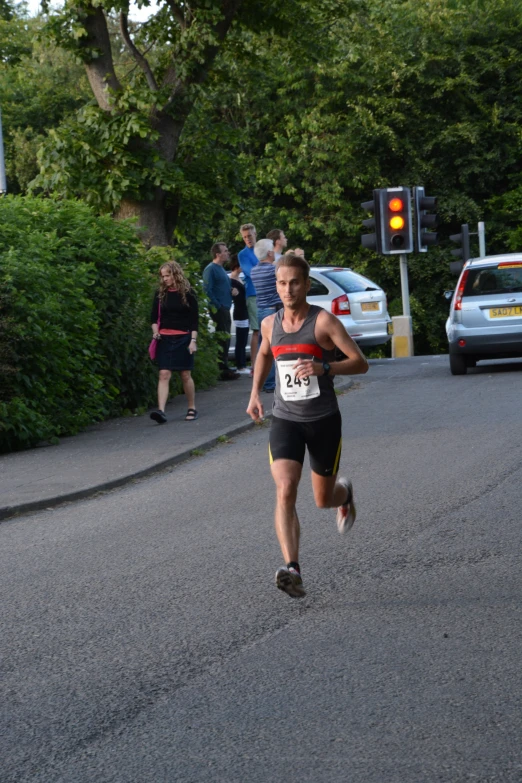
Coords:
494,280
349,281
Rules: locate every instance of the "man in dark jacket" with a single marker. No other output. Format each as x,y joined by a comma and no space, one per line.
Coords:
217,288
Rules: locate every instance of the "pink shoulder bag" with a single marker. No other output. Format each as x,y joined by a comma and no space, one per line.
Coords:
153,347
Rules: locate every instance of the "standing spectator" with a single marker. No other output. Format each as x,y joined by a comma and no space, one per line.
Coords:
268,300
240,315
217,288
247,261
277,235
174,320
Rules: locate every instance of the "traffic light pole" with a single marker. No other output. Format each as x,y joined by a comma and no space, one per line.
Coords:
405,289
393,234
481,230
402,341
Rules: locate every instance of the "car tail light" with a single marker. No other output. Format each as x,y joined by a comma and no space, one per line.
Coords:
341,305
460,290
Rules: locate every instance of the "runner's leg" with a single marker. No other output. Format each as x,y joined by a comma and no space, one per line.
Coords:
287,474
328,493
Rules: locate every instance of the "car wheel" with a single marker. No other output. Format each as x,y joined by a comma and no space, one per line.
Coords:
458,364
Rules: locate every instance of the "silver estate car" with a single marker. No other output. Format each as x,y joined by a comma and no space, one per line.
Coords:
485,320
359,304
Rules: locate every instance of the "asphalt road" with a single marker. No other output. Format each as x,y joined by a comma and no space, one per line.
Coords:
142,638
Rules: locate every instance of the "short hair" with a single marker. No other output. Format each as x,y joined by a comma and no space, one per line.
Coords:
262,248
294,260
247,227
215,250
234,262
275,234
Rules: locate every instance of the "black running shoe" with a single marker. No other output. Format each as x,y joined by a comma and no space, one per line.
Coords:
289,581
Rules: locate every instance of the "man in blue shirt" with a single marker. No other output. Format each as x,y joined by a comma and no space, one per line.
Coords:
217,287
248,260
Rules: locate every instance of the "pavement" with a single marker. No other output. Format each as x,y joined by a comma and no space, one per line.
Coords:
115,452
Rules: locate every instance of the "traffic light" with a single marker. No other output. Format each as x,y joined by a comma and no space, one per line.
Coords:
395,220
462,253
372,241
421,204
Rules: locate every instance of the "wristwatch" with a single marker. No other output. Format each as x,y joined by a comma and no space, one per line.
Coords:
326,368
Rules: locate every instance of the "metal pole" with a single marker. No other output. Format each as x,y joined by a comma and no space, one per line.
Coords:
482,240
404,285
3,184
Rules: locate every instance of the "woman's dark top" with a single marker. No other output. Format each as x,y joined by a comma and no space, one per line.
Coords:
174,314
239,300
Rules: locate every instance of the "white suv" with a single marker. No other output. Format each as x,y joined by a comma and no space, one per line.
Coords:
485,320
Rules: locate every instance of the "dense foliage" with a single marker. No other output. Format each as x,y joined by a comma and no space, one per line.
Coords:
40,85
305,109
74,321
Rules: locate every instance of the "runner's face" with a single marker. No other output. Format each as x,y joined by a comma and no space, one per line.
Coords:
292,287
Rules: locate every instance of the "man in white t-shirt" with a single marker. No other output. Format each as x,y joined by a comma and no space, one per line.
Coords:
277,235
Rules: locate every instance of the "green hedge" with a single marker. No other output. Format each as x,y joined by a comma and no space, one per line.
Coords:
76,291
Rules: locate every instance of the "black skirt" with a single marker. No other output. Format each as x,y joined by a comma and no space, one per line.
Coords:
172,352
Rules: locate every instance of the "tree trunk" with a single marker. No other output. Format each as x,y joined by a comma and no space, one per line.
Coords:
156,217
152,218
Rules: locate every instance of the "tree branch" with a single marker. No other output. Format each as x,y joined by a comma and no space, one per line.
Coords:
100,68
178,14
230,9
140,59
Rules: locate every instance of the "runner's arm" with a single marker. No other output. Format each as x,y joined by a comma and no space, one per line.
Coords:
330,329
261,369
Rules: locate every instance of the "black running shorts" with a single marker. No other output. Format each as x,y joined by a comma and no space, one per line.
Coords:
323,438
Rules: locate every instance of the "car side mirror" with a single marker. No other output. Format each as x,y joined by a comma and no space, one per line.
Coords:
448,294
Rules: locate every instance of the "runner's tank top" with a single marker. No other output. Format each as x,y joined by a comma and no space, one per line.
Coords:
301,345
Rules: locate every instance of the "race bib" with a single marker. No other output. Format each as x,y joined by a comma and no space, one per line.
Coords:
295,389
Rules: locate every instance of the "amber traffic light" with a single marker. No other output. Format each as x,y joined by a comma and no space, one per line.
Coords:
396,223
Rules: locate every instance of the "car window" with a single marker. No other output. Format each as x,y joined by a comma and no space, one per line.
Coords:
493,280
350,282
317,288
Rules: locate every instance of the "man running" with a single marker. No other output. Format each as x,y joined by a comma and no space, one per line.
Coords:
302,338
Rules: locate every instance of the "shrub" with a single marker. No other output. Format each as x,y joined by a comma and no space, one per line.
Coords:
74,321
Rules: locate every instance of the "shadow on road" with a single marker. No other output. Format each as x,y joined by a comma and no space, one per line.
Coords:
500,365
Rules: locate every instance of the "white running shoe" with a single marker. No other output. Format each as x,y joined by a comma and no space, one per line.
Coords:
346,513
289,581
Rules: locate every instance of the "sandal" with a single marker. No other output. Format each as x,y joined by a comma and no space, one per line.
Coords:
192,415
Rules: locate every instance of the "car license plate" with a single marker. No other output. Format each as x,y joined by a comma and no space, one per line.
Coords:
365,306
389,328
505,312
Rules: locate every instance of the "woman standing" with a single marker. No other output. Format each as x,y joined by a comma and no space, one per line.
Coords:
240,315
174,320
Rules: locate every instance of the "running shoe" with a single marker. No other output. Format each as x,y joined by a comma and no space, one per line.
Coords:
289,581
346,514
